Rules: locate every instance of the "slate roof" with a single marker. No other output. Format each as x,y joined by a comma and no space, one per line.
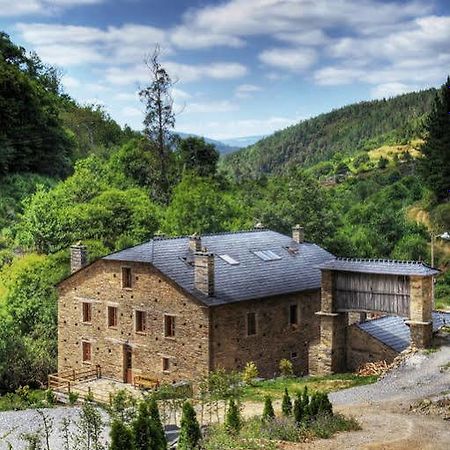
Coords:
252,278
380,266
393,331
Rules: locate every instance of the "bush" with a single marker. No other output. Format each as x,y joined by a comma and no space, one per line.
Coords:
73,398
268,412
286,404
286,368
325,425
281,429
299,410
159,441
190,435
50,397
121,436
233,418
250,372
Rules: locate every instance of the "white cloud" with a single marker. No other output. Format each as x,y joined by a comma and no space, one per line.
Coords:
70,45
387,90
70,82
232,128
303,22
130,111
210,107
15,8
246,90
295,60
178,71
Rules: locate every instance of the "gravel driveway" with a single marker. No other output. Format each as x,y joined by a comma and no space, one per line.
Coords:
419,376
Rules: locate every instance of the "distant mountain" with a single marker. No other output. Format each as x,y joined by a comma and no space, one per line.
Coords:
243,141
355,128
221,147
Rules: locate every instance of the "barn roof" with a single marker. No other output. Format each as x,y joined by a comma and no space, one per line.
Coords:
380,266
393,331
253,277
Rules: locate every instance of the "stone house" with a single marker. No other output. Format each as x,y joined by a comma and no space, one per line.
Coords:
176,308
173,309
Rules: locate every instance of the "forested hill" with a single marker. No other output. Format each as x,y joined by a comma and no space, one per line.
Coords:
359,127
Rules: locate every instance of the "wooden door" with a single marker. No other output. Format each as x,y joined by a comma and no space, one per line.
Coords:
127,364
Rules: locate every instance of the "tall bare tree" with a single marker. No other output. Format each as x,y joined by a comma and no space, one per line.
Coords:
159,118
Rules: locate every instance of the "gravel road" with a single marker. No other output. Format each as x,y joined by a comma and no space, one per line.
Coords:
419,376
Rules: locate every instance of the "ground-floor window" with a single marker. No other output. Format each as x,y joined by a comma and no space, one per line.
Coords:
251,324
87,351
166,364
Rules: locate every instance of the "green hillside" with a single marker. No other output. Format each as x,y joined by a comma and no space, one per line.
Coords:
355,128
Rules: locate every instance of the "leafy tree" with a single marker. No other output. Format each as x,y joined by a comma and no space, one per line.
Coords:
411,247
201,205
250,372
31,135
121,436
268,412
198,156
233,421
190,435
434,165
159,119
286,404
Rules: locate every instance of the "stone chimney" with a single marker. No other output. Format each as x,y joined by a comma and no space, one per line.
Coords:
195,243
298,234
204,271
78,257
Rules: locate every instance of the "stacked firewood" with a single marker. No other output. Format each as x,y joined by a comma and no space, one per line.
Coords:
377,368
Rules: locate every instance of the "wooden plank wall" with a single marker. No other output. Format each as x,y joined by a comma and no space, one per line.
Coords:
370,292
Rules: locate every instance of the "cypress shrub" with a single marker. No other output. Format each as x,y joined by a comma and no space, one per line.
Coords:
299,410
159,441
268,412
142,429
286,404
190,435
233,420
121,436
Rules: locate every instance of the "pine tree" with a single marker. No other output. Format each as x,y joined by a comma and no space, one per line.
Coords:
121,436
142,429
298,409
233,420
286,404
268,412
190,434
159,441
434,166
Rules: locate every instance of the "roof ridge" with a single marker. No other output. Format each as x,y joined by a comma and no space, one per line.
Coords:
219,233
381,260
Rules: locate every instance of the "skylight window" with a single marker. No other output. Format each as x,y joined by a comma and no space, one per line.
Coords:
229,260
267,255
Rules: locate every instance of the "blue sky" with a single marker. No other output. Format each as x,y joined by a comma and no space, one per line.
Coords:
244,67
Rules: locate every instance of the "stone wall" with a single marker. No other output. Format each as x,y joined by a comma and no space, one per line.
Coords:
101,285
275,338
363,348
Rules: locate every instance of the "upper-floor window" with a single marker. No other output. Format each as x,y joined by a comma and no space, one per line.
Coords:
87,312
169,326
140,321
112,316
293,314
251,324
126,277
87,351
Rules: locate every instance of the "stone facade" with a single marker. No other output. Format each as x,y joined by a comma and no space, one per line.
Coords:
100,285
205,337
363,348
275,337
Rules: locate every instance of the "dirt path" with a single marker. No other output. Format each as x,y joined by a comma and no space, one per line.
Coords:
383,409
